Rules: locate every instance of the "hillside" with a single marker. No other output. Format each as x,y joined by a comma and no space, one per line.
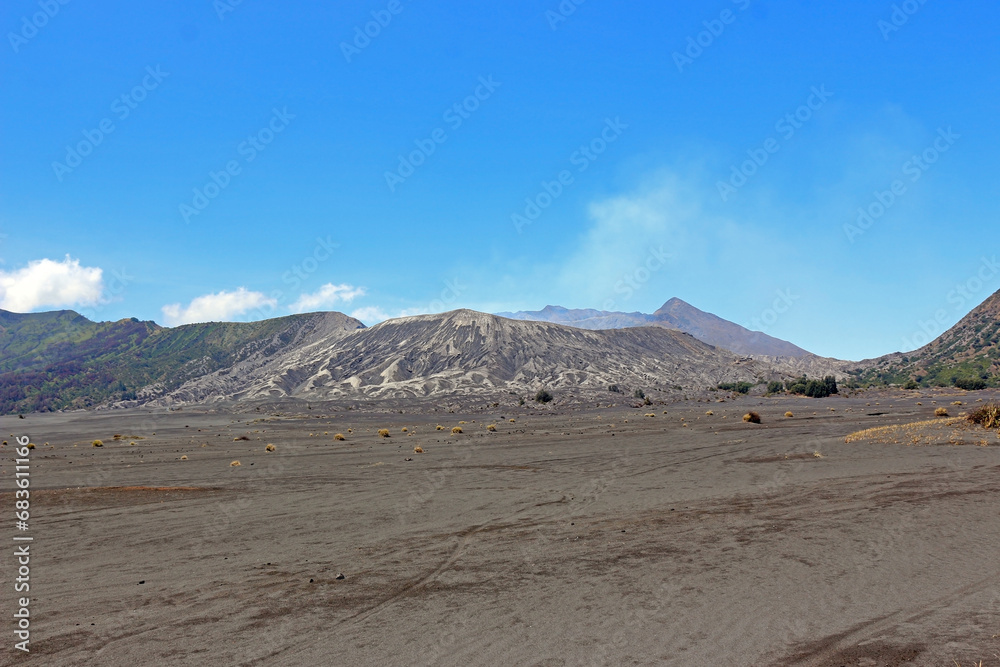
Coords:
59,360
467,352
967,356
674,314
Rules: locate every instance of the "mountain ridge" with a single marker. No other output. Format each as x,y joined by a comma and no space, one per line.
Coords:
466,352
674,314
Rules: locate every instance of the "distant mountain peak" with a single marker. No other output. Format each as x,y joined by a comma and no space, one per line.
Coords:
674,314
673,302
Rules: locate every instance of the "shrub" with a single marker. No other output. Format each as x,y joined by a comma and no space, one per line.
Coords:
339,436
789,415
31,445
404,429
116,436
987,416
512,421
970,384
738,387
234,464
614,388
911,384
775,387
709,413
456,430
941,412
796,386
97,443
816,389
384,432
269,448
184,458
639,393
440,428
242,437
491,427
751,418
418,449
543,396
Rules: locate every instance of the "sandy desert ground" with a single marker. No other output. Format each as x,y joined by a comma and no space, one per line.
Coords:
583,537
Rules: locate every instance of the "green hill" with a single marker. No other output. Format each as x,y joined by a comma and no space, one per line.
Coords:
966,356
59,360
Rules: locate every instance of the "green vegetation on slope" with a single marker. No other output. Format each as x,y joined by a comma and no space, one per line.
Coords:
966,356
58,360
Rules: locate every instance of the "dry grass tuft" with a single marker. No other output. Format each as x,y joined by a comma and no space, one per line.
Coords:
456,429
751,418
418,450
491,427
512,420
116,436
242,437
929,432
818,455
439,427
940,412
97,443
405,429
269,448
650,414
31,445
339,436
384,432
184,458
234,464
987,416
709,413
789,415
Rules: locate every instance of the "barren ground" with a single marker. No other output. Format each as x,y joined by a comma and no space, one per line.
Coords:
591,536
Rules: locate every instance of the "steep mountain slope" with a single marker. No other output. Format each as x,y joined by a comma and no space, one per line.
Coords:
465,352
967,355
58,360
674,314
716,331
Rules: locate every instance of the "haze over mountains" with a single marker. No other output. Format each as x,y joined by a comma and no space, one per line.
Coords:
674,314
59,360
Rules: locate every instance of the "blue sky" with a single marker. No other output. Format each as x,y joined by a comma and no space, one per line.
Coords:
263,158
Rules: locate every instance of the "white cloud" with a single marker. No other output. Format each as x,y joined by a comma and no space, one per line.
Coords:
326,297
370,315
373,314
51,284
219,307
